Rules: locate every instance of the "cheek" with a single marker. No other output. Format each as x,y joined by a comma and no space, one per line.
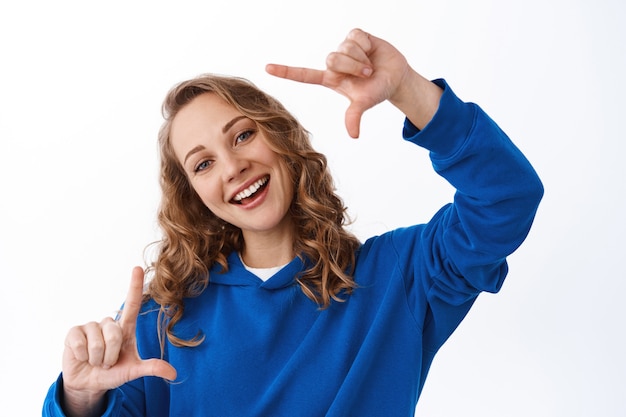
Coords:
208,193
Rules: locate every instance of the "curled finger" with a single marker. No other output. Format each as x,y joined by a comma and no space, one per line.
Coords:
113,339
361,38
354,50
344,64
76,343
95,343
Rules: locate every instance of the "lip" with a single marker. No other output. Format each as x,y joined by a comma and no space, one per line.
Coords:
246,185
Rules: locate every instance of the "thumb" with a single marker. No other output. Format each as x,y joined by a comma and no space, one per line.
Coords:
353,119
154,367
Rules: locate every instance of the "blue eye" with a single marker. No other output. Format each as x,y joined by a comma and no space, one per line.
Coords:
244,136
202,166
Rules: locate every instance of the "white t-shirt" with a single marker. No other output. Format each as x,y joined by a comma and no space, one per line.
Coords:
263,273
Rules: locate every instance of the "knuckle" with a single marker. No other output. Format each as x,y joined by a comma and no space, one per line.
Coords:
107,320
353,33
346,48
96,347
331,60
114,337
89,327
76,343
73,332
78,347
75,337
359,38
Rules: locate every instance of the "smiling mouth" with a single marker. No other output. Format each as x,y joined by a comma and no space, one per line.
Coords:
251,191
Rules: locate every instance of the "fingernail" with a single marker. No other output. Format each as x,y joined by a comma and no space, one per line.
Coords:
367,71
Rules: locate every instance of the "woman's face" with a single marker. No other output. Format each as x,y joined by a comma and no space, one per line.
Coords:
230,165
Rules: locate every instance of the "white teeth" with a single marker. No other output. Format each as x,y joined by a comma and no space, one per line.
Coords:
251,189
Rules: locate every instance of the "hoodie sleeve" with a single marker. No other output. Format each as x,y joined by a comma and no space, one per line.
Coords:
462,250
52,403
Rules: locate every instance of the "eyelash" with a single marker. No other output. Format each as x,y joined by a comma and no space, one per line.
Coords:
248,132
199,167
205,164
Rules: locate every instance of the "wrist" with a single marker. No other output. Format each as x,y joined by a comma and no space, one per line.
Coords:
83,403
417,97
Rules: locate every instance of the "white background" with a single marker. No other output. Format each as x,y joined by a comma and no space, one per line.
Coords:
80,91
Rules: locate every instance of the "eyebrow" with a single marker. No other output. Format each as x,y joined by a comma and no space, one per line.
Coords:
191,152
232,122
225,129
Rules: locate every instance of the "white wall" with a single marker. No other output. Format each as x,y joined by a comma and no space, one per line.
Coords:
80,93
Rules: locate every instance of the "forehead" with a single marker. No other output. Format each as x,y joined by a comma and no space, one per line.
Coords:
200,120
204,111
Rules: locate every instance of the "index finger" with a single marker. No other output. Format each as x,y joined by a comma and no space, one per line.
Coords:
300,74
133,298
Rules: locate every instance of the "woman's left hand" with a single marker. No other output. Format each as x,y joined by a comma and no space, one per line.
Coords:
365,69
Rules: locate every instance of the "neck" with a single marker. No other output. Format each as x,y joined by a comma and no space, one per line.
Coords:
265,250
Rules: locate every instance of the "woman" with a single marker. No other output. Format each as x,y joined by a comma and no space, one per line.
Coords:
261,304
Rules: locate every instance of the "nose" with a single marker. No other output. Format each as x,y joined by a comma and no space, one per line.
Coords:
233,166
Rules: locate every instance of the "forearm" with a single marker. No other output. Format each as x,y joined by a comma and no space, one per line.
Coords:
417,97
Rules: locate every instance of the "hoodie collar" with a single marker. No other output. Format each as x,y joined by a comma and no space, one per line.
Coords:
238,275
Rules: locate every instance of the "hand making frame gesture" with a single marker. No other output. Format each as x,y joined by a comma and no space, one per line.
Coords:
102,356
368,70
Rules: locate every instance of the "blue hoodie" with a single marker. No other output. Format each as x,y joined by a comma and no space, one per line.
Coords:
270,351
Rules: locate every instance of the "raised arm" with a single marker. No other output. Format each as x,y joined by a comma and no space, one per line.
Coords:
368,70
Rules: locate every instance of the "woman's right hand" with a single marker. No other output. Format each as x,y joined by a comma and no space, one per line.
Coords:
101,356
